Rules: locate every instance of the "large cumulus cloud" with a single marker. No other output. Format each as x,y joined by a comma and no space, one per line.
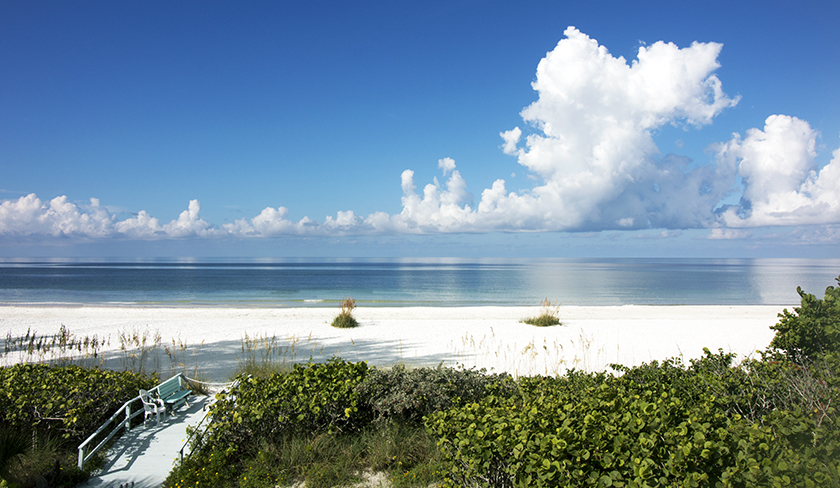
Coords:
587,142
782,184
592,150
592,146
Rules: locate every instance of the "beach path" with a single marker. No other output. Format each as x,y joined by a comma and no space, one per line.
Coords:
146,454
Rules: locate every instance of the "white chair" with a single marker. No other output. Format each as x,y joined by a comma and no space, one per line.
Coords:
152,405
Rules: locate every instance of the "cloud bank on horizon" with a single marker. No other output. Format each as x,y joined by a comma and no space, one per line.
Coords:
588,144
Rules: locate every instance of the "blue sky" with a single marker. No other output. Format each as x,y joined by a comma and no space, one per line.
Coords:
163,129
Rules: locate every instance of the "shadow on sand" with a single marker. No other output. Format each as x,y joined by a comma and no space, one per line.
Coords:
218,361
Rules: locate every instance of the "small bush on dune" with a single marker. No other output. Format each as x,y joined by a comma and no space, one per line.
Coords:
345,319
550,315
812,330
762,422
407,395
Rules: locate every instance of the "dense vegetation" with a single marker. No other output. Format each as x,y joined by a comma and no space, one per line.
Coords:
660,424
325,422
812,330
47,411
768,421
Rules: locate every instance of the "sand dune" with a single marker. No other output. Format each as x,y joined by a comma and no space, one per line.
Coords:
591,338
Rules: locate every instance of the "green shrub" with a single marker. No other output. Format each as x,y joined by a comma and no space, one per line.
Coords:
46,411
13,443
66,402
407,452
542,321
49,457
407,395
813,328
312,424
768,421
550,315
214,466
316,397
345,319
655,425
311,399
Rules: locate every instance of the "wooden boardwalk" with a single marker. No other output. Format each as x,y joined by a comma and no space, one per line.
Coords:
145,455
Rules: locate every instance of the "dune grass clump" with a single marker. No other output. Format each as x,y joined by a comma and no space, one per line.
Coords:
549,316
263,356
345,319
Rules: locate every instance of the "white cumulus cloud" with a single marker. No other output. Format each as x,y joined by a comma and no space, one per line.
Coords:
447,165
143,226
190,224
782,184
592,148
439,208
597,166
588,146
30,215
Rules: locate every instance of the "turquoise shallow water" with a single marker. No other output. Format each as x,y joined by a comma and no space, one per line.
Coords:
416,282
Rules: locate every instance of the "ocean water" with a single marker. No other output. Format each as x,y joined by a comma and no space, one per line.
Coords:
415,282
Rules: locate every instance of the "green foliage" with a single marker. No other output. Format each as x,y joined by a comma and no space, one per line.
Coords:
46,411
13,443
406,452
214,467
316,397
407,395
549,316
67,402
768,421
764,422
424,475
542,321
656,425
315,424
345,319
48,457
813,328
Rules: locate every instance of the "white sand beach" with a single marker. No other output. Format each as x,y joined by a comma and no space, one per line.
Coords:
211,339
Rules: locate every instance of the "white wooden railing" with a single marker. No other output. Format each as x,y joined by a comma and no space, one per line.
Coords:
84,455
125,422
127,416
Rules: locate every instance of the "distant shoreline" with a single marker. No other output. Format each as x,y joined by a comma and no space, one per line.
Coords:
334,304
413,283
